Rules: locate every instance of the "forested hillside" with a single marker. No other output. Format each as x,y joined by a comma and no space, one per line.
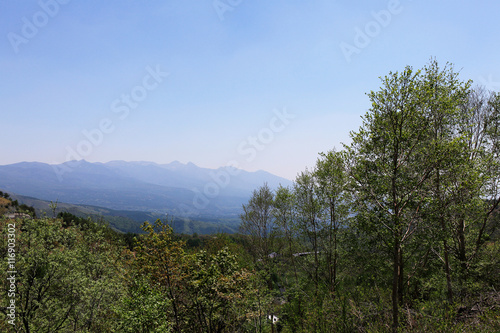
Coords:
397,231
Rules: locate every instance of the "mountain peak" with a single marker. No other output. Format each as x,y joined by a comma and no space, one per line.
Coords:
74,163
176,165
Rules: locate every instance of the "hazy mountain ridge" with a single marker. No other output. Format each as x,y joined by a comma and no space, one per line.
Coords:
175,188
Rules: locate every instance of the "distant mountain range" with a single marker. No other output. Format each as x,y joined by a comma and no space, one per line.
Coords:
183,190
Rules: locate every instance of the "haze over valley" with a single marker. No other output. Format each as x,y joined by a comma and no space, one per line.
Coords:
180,190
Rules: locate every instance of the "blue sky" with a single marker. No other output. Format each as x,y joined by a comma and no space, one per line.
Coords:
260,84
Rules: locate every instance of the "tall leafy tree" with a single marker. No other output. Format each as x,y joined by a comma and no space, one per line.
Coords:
217,292
444,94
284,215
161,258
391,165
332,181
476,190
309,223
258,222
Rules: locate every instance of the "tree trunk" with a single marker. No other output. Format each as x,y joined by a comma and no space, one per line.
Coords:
395,284
400,278
397,242
444,234
333,227
447,271
462,257
335,258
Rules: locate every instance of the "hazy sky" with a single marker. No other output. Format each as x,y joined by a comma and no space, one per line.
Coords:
263,84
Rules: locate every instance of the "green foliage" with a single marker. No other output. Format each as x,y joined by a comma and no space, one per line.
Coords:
69,219
66,279
144,308
206,291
